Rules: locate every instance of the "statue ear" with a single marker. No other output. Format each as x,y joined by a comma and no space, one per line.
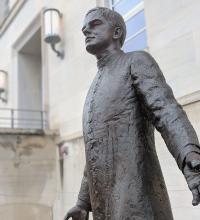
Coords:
117,33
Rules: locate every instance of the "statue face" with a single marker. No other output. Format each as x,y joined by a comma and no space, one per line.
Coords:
98,33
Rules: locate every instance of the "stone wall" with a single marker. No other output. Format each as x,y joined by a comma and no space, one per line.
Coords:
28,176
173,33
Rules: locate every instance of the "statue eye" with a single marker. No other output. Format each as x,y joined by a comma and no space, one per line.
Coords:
96,22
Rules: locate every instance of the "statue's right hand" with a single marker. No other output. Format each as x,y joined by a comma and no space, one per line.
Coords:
77,213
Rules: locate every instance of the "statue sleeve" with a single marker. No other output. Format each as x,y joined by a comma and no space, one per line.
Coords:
84,196
162,108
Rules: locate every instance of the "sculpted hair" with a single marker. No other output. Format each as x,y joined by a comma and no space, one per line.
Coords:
114,18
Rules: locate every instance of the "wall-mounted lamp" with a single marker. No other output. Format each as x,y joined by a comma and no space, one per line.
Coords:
52,23
63,149
3,85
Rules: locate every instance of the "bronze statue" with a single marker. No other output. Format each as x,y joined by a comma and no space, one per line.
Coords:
127,99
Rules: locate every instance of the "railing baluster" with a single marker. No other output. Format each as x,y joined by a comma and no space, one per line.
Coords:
42,120
29,121
12,118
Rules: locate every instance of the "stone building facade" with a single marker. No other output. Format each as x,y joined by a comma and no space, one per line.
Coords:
38,79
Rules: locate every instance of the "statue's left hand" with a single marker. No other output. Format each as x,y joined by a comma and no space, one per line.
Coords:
192,174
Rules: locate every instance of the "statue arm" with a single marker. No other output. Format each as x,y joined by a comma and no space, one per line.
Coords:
84,196
162,108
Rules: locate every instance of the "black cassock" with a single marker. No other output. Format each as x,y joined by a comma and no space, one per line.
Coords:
122,178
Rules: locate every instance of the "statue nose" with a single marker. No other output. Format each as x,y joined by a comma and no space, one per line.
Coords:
86,30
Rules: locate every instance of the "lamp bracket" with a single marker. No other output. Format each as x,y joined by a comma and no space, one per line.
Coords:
59,54
2,98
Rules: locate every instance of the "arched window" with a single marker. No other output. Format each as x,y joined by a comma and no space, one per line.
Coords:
133,14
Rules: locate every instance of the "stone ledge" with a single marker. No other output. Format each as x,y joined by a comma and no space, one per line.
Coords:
19,131
189,99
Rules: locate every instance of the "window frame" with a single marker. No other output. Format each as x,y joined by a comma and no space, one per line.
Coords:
11,15
130,14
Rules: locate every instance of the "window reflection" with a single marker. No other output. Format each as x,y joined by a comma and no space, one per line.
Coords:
136,43
133,13
135,24
124,6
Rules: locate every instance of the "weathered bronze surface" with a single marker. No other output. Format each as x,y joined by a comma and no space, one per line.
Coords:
127,99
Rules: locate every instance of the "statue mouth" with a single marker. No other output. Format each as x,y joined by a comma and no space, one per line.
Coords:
87,39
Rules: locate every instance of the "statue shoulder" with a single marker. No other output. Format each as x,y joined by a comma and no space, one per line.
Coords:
140,57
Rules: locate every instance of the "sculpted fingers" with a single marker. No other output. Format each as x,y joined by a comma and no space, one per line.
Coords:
196,196
193,161
70,214
76,213
195,164
67,216
83,215
192,175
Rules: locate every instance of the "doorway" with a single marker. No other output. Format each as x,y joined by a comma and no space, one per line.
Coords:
30,74
29,112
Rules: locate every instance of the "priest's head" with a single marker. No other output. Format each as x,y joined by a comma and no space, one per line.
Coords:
103,29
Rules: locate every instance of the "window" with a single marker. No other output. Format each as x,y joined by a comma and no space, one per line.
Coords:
8,10
6,7
133,14
11,3
3,10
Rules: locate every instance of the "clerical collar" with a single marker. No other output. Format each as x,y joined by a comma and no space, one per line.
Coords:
109,58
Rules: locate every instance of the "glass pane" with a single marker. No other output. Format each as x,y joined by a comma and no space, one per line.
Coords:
135,24
6,8
126,5
11,3
137,43
114,1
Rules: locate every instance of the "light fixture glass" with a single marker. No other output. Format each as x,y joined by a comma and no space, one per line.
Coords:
3,85
52,28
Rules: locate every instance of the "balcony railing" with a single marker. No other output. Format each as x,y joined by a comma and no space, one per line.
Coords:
23,119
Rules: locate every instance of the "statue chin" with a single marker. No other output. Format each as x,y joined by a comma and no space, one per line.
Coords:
92,49
96,48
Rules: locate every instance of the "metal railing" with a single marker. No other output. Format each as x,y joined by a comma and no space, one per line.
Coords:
23,118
